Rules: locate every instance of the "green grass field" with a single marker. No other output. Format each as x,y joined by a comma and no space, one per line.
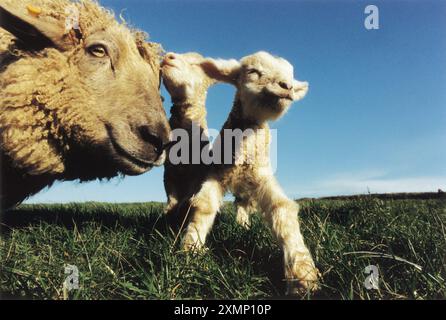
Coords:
127,252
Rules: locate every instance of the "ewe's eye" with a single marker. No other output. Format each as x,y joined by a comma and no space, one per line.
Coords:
98,51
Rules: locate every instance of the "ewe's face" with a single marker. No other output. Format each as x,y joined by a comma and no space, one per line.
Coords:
267,87
183,76
131,121
94,109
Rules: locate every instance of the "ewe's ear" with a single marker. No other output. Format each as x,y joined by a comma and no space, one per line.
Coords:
300,89
34,31
222,70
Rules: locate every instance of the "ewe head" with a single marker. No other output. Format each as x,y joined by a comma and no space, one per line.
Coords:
90,85
265,83
184,78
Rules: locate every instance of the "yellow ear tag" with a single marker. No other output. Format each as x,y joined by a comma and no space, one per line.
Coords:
34,11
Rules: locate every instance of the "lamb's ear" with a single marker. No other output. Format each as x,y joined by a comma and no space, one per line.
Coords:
300,89
222,70
34,31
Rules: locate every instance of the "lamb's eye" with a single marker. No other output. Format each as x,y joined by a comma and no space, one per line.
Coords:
254,71
97,50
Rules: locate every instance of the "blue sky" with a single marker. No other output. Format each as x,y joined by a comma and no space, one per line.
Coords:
374,118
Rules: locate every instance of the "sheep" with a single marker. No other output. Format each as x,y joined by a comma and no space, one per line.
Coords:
265,90
187,84
79,97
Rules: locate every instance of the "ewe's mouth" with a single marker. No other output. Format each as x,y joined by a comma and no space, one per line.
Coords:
134,160
123,153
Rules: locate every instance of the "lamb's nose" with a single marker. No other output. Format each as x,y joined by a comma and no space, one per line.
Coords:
170,56
285,85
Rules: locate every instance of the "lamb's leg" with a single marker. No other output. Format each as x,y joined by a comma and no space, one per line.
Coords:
172,203
171,192
203,210
281,214
244,211
243,217
174,200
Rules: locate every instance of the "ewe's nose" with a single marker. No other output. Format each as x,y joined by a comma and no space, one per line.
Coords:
158,137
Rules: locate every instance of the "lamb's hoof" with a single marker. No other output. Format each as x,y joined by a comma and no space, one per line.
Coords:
195,248
245,224
299,288
305,279
244,220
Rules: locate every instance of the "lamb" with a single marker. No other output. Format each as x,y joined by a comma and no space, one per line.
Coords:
79,97
265,90
187,84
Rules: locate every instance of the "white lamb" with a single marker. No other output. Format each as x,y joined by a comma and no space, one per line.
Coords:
265,90
187,81
187,84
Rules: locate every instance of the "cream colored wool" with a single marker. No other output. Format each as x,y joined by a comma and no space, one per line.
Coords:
59,106
187,83
265,90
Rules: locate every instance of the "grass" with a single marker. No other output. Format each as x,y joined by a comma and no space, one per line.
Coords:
127,252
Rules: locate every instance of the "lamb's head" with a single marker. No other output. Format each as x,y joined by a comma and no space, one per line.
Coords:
184,78
265,83
90,84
